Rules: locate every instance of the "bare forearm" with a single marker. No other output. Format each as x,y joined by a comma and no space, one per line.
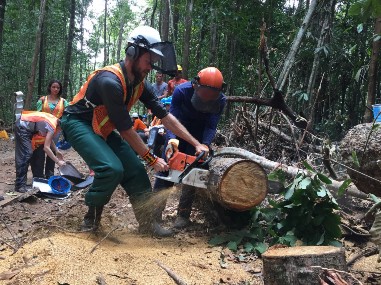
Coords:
171,123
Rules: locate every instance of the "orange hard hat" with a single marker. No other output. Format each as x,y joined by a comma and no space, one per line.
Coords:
210,77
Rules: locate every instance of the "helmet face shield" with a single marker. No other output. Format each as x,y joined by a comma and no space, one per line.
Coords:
166,61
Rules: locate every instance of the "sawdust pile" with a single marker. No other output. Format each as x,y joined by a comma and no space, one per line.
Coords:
122,258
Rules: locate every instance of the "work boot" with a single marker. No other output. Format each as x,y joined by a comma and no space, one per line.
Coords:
92,219
181,222
22,189
155,229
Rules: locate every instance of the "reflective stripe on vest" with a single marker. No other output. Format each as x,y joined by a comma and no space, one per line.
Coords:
101,122
35,116
58,109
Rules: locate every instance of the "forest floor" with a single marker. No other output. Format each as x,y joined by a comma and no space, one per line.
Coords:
40,243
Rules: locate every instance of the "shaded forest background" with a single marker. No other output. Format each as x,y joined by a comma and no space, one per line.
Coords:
331,79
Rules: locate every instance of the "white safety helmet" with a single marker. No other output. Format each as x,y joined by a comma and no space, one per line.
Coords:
145,37
135,115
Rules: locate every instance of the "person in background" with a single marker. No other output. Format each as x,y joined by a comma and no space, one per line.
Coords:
159,87
139,126
99,127
198,105
30,124
156,131
177,80
53,104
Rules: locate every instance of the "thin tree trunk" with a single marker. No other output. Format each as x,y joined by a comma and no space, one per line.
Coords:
153,13
175,19
120,37
187,37
2,15
69,49
372,75
213,38
28,99
295,46
42,60
165,22
324,36
105,53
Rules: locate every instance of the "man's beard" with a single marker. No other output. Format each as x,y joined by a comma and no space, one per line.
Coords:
139,76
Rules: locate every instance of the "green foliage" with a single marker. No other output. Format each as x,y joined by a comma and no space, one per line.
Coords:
366,8
306,213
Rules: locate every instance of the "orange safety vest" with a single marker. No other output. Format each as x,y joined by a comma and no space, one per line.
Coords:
58,110
101,122
35,116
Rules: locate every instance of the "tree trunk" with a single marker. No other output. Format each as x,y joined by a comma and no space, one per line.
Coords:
120,38
105,53
69,49
28,99
3,3
292,265
372,75
165,22
187,37
237,184
295,46
42,61
324,35
290,170
153,13
175,20
213,37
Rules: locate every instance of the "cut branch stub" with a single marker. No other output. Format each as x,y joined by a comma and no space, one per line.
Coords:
237,184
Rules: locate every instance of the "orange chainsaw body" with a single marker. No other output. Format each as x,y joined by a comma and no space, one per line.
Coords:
179,161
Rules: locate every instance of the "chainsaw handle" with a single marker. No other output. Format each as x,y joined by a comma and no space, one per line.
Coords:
206,162
192,165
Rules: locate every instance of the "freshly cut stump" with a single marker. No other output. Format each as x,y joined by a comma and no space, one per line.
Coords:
237,184
292,265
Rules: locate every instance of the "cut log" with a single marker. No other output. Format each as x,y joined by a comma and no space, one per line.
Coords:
294,265
237,184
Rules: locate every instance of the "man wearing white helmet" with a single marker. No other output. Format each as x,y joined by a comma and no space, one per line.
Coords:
102,106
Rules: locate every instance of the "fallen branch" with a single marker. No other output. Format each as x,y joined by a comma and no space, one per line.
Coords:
109,233
290,170
173,275
366,252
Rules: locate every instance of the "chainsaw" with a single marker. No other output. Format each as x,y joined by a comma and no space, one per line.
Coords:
184,168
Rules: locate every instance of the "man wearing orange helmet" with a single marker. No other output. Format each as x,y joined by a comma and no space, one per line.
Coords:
198,105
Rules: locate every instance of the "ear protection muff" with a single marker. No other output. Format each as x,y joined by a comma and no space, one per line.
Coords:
132,51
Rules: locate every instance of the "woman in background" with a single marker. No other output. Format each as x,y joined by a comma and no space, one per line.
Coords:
53,104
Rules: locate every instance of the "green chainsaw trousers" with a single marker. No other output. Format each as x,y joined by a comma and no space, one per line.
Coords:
113,161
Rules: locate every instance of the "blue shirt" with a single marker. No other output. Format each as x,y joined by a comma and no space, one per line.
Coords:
202,126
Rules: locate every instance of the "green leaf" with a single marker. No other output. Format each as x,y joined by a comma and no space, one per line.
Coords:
248,247
376,38
355,159
344,187
355,9
261,247
307,166
220,239
321,240
335,243
324,178
232,245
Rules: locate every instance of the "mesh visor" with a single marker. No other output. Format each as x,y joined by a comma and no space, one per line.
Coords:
167,62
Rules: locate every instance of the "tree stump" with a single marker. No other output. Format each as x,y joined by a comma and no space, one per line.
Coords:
237,184
366,143
293,265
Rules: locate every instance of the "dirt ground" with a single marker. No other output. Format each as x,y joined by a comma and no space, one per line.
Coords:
40,243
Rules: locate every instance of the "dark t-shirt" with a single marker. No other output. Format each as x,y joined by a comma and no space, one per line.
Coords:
106,89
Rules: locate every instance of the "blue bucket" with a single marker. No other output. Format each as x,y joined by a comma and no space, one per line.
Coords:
377,112
59,185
